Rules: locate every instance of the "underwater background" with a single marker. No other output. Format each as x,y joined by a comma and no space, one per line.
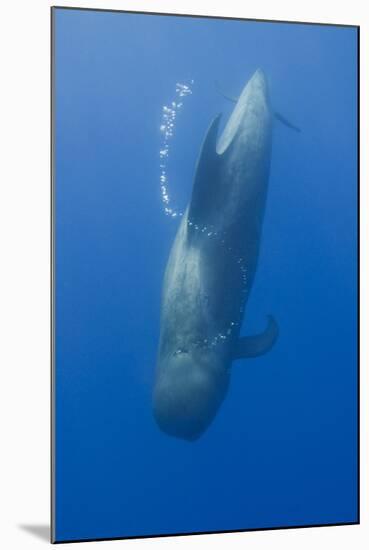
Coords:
282,450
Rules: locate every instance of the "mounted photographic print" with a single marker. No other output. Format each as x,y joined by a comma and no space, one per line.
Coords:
205,275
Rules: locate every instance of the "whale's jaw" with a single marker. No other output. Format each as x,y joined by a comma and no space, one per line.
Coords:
252,104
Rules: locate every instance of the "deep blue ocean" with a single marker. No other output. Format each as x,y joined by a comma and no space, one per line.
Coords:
282,450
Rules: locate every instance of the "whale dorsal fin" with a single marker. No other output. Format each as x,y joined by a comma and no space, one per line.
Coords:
252,346
206,177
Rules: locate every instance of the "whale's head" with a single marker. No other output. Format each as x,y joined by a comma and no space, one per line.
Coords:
250,122
189,389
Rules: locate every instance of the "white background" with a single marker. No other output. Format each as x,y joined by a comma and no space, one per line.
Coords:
25,265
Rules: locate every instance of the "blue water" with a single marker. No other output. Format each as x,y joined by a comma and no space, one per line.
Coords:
282,450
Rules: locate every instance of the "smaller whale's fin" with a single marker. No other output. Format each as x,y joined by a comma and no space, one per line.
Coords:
226,96
286,122
252,346
205,185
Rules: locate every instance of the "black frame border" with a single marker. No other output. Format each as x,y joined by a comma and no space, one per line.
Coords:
52,275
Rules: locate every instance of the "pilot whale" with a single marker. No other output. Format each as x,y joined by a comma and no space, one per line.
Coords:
211,268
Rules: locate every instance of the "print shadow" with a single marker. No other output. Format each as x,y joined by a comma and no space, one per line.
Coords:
40,531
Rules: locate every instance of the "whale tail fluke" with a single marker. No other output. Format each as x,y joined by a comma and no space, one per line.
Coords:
253,346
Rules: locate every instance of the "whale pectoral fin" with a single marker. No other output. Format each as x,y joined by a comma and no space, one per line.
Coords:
205,184
252,346
286,122
226,96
